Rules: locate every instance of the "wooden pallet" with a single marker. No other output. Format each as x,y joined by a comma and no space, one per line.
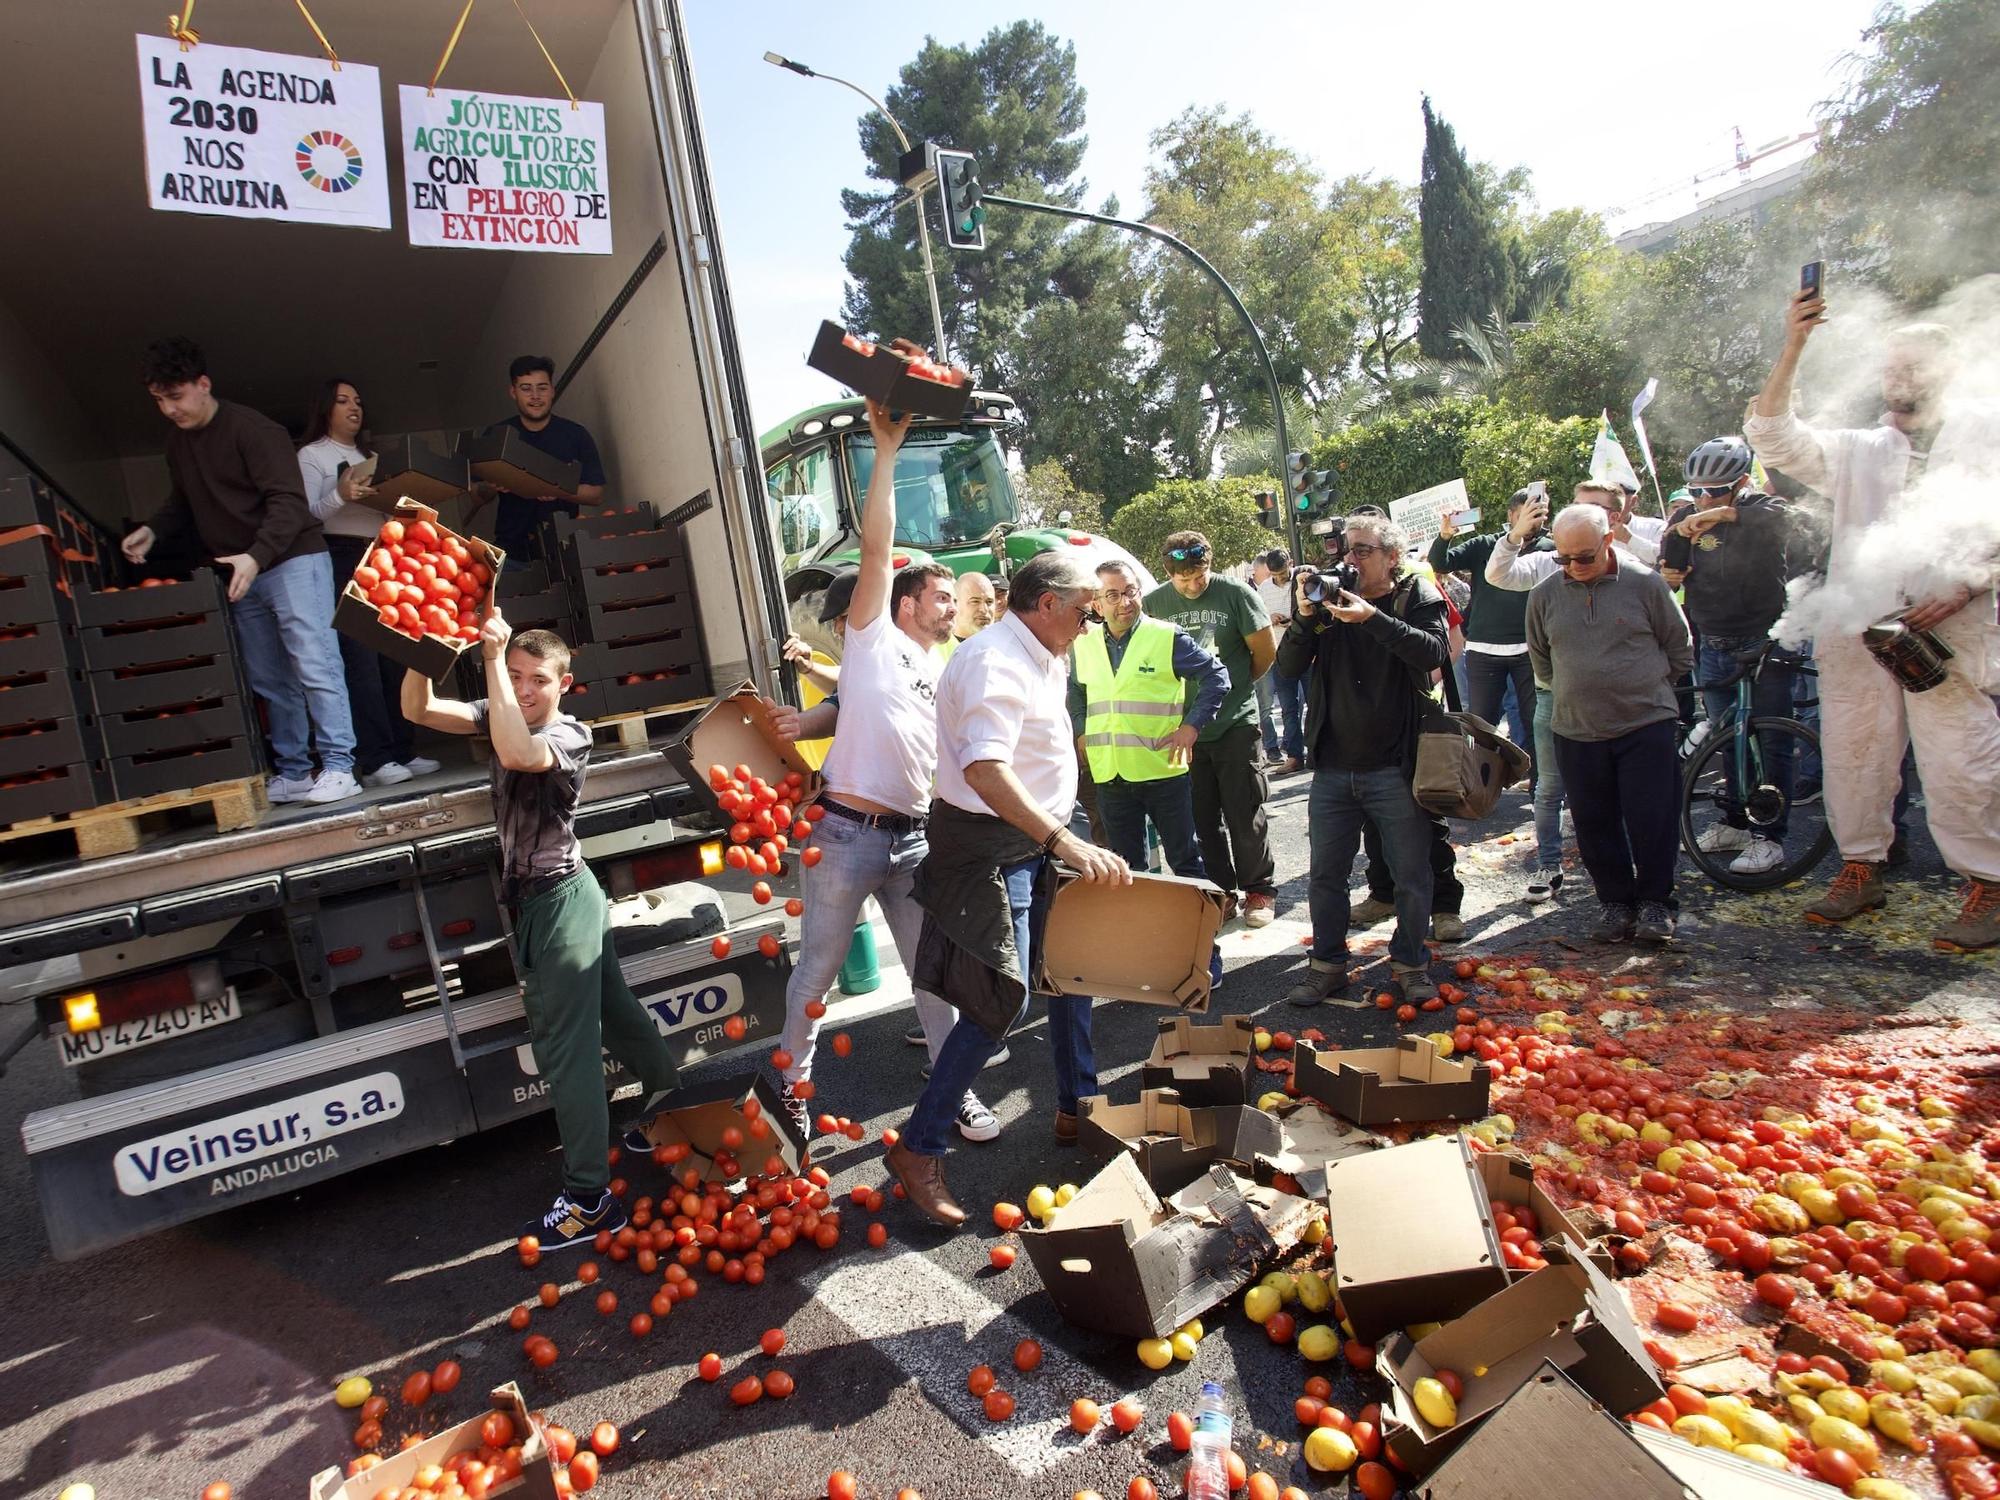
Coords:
634,731
115,828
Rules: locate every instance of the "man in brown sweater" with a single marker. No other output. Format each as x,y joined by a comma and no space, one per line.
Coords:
236,487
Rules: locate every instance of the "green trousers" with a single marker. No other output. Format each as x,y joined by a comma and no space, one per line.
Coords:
579,1007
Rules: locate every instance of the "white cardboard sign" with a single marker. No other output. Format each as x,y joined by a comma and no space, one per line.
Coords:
503,172
1418,514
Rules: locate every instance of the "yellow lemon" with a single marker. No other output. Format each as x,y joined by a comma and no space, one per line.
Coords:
1330,1451
1193,1329
1182,1345
1434,1403
1260,1302
1284,1283
352,1391
1275,1099
1042,1201
1314,1295
1155,1354
1319,1342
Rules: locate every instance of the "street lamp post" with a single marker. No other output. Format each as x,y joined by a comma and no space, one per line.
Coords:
917,199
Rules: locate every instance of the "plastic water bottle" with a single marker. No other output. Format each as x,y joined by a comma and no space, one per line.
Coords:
1208,1454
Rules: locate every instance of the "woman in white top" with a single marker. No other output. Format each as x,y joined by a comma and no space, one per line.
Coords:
336,440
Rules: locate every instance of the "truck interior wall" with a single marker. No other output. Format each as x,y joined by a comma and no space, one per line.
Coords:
41,417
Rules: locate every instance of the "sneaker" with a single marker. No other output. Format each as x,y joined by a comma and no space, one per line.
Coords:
1291,765
915,1037
635,1141
571,1223
1805,792
389,773
1368,913
795,1111
1857,888
1259,907
1615,921
1415,983
287,788
1655,924
975,1121
992,1062
1447,927
1316,986
1763,854
1721,838
1543,885
422,765
333,786
1978,924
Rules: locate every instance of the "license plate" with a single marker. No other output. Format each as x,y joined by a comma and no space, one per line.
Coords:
87,1046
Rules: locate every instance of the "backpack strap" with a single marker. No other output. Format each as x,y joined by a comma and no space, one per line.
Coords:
1400,602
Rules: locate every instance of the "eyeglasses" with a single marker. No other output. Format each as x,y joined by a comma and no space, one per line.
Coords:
1566,560
1711,491
1112,595
1194,555
1361,551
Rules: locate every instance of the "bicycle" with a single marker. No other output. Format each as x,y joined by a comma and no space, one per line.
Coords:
1748,745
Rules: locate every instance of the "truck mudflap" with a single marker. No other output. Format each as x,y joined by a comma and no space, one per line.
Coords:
114,1168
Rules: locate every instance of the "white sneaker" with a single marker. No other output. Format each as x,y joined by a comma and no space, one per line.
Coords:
288,788
387,774
1763,854
975,1121
333,786
421,765
1721,838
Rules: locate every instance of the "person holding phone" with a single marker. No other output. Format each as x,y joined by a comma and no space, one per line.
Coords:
332,467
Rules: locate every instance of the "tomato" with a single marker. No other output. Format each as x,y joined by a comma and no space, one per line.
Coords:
748,1390
710,1368
217,1491
543,1352
841,1485
1180,1431
417,1389
1027,1355
1126,1415
999,1406
1279,1327
583,1467
772,1341
444,1379
980,1379
1838,1468
1002,1257
1084,1415
391,533
607,1303
1677,1316
496,1429
1307,1410
1142,1488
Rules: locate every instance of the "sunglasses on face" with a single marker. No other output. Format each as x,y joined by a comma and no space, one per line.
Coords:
1711,491
1571,559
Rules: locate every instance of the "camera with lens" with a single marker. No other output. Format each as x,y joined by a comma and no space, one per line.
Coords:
1326,583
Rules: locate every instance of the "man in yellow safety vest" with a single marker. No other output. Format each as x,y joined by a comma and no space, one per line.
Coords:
1130,705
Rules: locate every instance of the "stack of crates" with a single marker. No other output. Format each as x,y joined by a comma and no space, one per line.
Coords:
169,696
50,754
640,626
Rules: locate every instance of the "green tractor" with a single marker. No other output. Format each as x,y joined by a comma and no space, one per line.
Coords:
955,501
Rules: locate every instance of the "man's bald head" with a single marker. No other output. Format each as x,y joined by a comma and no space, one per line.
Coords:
975,604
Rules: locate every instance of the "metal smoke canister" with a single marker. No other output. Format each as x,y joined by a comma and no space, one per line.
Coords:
1915,658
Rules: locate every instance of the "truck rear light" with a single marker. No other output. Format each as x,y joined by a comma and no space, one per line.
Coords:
80,1011
343,955
682,862
129,999
403,940
459,926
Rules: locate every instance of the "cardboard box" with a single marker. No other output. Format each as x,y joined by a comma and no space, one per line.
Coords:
174,729
1203,1064
699,1114
876,370
1711,1474
1309,1139
1149,941
1117,1259
1567,1314
1412,1236
1174,1143
538,1475
736,730
432,656
1510,1178
1550,1441
502,455
201,594
194,641
410,468
1382,1085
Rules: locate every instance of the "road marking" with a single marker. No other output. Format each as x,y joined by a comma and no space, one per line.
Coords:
22,1359
452,1265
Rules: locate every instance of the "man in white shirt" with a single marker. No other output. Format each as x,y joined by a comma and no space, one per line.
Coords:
1006,789
877,781
1275,589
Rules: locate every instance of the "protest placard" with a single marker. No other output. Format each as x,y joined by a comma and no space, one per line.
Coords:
1418,514
501,172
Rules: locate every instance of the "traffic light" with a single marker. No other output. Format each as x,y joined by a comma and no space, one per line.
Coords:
964,205
1267,509
1306,485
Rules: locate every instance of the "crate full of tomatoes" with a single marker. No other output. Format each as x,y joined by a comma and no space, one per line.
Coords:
419,595
899,374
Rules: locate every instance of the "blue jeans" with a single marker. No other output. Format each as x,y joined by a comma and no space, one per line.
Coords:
1169,802
1266,725
1339,803
855,862
1291,695
965,1051
292,658
1770,698
1548,786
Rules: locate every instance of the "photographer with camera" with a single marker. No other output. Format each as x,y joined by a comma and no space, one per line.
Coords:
1367,640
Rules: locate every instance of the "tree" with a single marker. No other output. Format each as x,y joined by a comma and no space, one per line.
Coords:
1465,268
1221,509
1569,362
1048,496
1909,175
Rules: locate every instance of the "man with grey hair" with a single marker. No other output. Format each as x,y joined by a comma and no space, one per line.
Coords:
1367,653
1608,639
1006,788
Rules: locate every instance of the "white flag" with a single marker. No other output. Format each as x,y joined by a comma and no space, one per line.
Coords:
1608,463
1639,403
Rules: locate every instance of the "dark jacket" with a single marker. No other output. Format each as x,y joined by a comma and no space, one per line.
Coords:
1737,571
237,488
967,953
1496,616
1363,703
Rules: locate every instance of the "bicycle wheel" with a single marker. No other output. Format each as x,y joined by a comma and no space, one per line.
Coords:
1808,836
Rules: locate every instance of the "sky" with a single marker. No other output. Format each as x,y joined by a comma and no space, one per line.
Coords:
1612,108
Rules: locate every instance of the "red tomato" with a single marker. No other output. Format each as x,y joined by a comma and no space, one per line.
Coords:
1775,1291
841,1485
583,1467
1180,1431
1837,1468
1677,1316
417,1389
444,1379
710,1368
391,533
747,1391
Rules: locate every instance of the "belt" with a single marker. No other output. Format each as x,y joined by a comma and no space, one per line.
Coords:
887,822
517,891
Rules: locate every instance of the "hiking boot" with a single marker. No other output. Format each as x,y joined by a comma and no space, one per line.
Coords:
1317,986
572,1222
1759,857
1415,983
1065,1128
1978,925
1448,927
1259,907
1615,921
1857,888
915,1037
1655,924
922,1178
1721,838
1368,913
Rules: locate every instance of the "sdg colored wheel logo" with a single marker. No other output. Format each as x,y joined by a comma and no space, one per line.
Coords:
328,161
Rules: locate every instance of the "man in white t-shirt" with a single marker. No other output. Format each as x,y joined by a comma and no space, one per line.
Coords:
877,779
1290,692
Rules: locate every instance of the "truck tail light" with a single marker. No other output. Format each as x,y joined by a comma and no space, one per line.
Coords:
458,926
404,940
682,862
129,999
343,955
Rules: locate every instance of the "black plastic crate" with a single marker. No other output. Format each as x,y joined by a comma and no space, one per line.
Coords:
144,731
40,697
42,794
125,690
546,604
611,624
181,770
527,578
663,653
29,599
585,553
202,594
667,580
47,746
606,700
604,521
106,650
47,647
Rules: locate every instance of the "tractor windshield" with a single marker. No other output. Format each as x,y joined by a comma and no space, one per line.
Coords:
952,485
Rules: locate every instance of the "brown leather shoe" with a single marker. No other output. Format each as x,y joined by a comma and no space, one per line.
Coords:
923,1184
1857,888
1065,1128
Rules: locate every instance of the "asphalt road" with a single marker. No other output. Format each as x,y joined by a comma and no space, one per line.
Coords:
210,1352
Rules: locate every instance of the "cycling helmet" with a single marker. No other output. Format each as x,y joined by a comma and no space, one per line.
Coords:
1719,461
